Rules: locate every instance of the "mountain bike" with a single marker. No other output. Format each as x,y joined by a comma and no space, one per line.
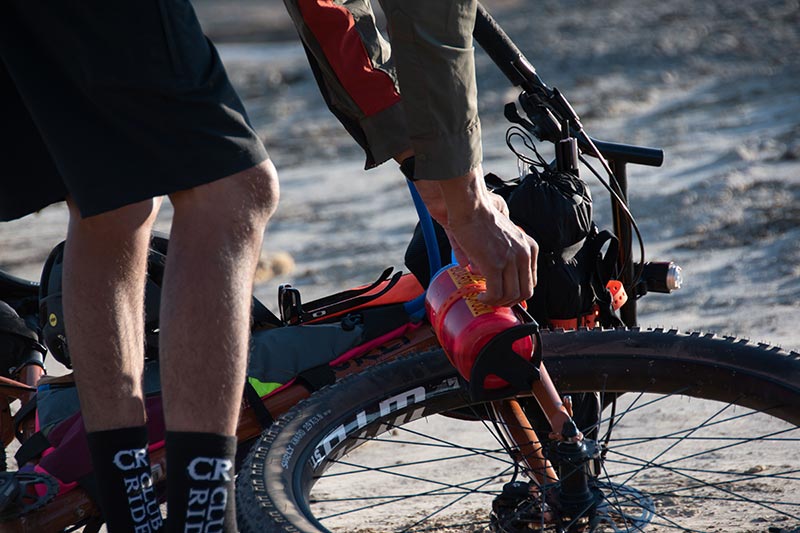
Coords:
622,429
681,431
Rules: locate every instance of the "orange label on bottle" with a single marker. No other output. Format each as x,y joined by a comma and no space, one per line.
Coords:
475,307
464,279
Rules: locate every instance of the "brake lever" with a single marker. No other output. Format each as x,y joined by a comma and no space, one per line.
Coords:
512,115
567,113
544,124
546,114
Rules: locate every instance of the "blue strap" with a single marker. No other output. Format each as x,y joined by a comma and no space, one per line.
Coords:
428,232
416,307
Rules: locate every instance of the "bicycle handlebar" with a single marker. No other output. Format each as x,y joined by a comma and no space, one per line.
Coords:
505,54
547,108
630,153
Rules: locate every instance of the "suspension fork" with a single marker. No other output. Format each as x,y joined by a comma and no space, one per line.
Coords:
531,452
559,416
574,496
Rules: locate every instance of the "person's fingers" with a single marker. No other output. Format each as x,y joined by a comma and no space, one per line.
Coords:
528,267
457,251
461,257
525,278
517,278
519,271
502,281
512,277
463,260
500,252
534,248
494,287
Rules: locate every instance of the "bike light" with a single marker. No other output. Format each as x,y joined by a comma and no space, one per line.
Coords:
663,277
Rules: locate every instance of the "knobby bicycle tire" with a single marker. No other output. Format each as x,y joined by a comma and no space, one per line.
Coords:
684,493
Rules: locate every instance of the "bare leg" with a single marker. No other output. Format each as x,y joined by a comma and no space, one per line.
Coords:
105,262
214,247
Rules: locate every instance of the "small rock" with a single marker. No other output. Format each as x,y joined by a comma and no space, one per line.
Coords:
277,264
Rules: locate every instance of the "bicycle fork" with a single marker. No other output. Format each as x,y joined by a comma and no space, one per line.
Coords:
567,485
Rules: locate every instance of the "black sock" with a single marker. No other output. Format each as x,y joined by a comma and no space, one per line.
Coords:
200,476
125,485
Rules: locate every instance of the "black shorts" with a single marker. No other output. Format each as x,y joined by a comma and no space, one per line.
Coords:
112,103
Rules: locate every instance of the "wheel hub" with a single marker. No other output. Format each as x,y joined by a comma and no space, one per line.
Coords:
521,509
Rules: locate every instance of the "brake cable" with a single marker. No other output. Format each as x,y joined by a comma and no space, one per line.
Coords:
624,208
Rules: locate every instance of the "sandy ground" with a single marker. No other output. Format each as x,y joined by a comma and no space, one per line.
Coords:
715,84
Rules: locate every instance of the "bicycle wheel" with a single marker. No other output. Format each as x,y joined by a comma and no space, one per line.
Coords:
707,441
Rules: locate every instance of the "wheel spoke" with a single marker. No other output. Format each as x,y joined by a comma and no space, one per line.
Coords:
615,500
476,451
738,442
396,498
676,435
716,486
742,476
453,502
676,443
361,469
616,503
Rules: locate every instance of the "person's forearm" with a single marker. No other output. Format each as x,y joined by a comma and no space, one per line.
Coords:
465,197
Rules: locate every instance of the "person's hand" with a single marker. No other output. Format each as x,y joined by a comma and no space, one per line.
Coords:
498,250
484,238
499,204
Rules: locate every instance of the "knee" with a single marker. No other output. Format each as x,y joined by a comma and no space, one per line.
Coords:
240,203
259,190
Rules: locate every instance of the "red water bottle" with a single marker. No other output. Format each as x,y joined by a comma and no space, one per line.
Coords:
464,325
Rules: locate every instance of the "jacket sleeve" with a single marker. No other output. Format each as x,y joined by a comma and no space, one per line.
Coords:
353,66
434,57
431,61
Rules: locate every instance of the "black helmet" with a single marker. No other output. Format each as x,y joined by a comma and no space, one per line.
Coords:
51,310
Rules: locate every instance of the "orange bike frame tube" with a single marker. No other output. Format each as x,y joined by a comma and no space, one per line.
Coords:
530,448
546,394
521,431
